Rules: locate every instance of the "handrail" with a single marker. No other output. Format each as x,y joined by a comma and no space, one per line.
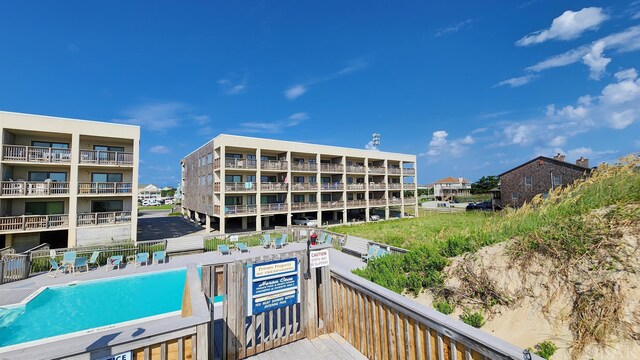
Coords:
97,188
103,157
35,154
33,188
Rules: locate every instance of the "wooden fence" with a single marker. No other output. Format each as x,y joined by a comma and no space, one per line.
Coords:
14,267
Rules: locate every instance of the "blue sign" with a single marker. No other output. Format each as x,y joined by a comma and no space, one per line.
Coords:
272,285
275,301
261,287
275,268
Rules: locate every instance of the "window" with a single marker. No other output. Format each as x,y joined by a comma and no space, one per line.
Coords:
233,156
209,179
108,148
49,144
325,180
233,178
298,198
298,160
313,198
557,180
267,157
312,179
326,197
106,177
44,208
514,196
349,180
233,200
209,158
251,157
268,179
298,179
251,178
106,205
44,175
528,182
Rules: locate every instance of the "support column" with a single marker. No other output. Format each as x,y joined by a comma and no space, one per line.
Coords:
73,192
319,191
289,199
258,193
344,192
134,186
244,223
223,201
367,213
208,223
266,221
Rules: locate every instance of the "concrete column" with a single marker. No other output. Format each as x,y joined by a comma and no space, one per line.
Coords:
258,193
244,223
344,192
223,215
8,240
319,191
266,221
208,223
289,199
415,183
366,189
73,192
134,192
386,212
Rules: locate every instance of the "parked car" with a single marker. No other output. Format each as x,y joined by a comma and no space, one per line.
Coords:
306,220
374,217
168,202
483,206
150,202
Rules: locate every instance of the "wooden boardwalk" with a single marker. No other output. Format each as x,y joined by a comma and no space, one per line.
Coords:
329,347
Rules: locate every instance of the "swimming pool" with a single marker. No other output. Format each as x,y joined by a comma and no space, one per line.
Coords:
91,305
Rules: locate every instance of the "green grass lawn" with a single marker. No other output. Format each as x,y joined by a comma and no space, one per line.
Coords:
409,232
159,207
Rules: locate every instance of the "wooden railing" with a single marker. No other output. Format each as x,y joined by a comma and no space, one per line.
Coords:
297,166
304,186
33,188
7,250
14,267
358,169
33,222
304,206
395,201
377,186
240,163
384,325
352,203
394,170
410,200
216,163
377,202
276,207
332,186
360,186
377,169
408,171
104,218
35,154
332,204
101,157
274,165
273,186
242,186
394,186
239,209
332,167
104,188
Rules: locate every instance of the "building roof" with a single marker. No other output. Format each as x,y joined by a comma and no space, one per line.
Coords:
551,160
452,180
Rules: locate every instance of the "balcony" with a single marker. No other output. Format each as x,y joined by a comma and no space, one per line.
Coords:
410,200
34,154
373,202
394,171
357,169
104,218
274,165
236,187
216,164
304,187
395,200
33,188
377,186
298,166
102,157
361,187
356,203
33,222
239,209
240,164
377,169
273,186
408,171
338,204
105,188
273,208
331,167
298,206
332,186
394,186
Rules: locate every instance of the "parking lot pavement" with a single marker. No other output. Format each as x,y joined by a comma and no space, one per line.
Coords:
154,225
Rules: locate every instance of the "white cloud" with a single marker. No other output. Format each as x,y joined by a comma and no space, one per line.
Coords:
520,134
595,61
275,126
159,149
558,141
620,120
627,88
159,117
453,28
516,81
233,85
370,146
297,118
295,91
440,146
568,26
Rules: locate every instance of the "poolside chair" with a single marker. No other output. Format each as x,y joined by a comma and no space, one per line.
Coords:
224,249
55,268
279,243
323,237
93,260
69,258
329,239
265,240
113,261
159,256
371,252
381,252
141,258
79,263
242,247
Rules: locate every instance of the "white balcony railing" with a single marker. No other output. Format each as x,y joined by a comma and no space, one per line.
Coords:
35,154
298,166
304,187
236,187
105,188
276,207
332,204
394,170
358,169
353,203
377,169
274,165
33,222
395,200
101,157
104,218
332,167
408,171
377,186
332,186
394,186
273,186
239,209
410,200
304,206
360,186
33,188
240,163
377,202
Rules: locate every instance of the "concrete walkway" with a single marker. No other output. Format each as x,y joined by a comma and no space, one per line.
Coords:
329,347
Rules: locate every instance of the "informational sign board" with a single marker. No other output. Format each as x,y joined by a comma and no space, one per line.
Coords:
122,356
319,258
272,285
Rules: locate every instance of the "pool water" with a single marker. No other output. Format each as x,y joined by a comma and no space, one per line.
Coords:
65,309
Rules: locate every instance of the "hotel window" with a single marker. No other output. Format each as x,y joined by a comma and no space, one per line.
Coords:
106,206
209,179
298,160
312,179
233,156
298,198
514,196
557,180
233,178
233,200
209,158
44,175
298,179
313,198
326,197
49,144
528,182
106,177
44,208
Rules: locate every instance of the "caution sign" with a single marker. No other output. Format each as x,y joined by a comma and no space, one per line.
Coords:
319,258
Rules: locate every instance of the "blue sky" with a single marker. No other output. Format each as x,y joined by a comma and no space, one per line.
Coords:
473,88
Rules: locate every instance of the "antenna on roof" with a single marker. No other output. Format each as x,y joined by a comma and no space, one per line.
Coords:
375,140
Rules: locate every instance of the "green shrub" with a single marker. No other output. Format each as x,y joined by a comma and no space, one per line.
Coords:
475,319
175,214
444,306
546,349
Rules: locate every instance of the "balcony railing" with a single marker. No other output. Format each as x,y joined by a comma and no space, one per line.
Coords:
104,218
35,154
298,166
395,200
304,187
101,157
276,207
304,206
377,186
332,167
239,209
377,169
408,171
393,170
337,204
332,186
410,200
358,169
236,187
377,202
240,163
33,222
105,188
216,163
33,188
352,203
356,187
273,186
274,165
394,186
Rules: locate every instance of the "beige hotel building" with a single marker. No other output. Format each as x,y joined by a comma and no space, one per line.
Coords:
237,184
66,182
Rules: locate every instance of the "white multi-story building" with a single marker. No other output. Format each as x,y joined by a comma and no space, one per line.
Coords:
236,183
66,182
447,188
149,192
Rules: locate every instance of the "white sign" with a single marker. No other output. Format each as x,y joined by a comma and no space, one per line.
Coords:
319,258
123,356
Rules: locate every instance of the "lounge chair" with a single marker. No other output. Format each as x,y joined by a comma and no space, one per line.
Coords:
224,249
329,239
79,263
69,258
242,247
381,252
281,241
93,260
113,261
141,258
323,238
371,252
159,256
265,240
55,267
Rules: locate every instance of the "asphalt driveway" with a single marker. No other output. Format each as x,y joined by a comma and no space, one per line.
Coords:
154,225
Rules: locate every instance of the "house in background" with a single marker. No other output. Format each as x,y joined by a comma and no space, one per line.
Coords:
539,176
149,192
447,188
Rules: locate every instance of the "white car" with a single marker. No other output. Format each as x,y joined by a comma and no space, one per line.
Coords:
152,202
306,220
168,202
374,217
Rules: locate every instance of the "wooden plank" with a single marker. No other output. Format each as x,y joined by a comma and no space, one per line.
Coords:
391,328
138,354
410,336
163,351
400,336
278,330
181,352
242,309
440,346
447,347
375,329
361,324
225,310
206,280
269,329
294,322
147,353
418,333
155,352
287,325
172,350
202,341
232,312
382,315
